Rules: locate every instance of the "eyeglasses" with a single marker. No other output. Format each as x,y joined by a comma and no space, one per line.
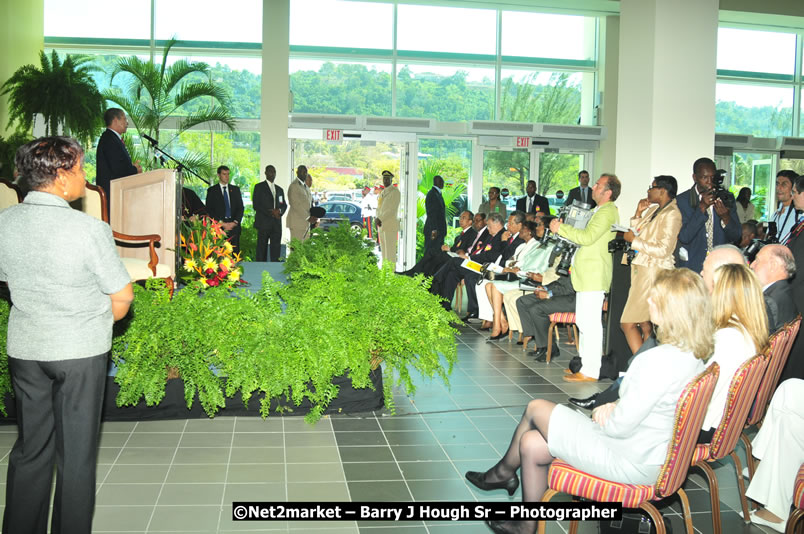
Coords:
653,186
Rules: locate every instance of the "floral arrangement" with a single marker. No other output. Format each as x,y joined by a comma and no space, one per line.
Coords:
208,256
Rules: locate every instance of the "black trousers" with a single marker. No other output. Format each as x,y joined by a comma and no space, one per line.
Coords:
58,415
446,280
234,236
273,236
534,314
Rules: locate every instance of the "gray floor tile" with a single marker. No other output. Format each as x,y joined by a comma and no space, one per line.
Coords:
185,518
121,518
317,491
388,491
122,474
347,438
368,471
128,494
319,472
191,494
192,473
270,473
366,454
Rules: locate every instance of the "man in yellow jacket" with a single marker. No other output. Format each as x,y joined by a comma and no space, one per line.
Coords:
388,218
591,274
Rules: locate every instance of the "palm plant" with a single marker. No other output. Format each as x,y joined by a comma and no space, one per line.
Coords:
63,92
158,91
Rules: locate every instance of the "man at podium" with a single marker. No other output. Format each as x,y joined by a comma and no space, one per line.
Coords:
113,159
225,204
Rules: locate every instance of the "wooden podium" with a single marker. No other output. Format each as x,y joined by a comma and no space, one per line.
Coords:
148,203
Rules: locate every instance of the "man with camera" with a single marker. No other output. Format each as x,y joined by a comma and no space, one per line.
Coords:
591,274
708,216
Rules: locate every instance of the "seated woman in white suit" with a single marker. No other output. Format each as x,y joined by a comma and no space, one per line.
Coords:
624,441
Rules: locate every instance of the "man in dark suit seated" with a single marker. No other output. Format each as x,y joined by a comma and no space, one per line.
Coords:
774,267
432,261
269,206
113,159
582,193
533,202
225,204
706,221
535,310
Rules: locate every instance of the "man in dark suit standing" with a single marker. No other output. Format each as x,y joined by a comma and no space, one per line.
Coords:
113,160
269,206
533,202
225,204
706,222
435,225
774,267
582,193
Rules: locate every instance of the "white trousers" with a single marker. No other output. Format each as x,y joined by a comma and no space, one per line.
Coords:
388,240
588,311
509,302
780,446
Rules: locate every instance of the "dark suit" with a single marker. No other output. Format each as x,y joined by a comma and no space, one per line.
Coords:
433,260
534,313
693,230
113,161
191,204
436,220
575,194
268,227
794,368
779,304
217,210
540,205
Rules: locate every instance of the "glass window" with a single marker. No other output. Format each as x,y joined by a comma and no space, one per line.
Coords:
446,29
548,36
452,160
208,20
445,93
340,88
342,24
91,18
540,96
762,111
240,76
756,51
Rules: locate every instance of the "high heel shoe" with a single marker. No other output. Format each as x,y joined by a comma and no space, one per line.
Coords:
479,480
502,527
499,336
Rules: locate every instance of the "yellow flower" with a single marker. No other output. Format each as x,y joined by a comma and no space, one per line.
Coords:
228,246
189,264
226,263
209,263
203,281
234,276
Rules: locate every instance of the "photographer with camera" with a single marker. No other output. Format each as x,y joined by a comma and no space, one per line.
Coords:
708,216
657,222
591,274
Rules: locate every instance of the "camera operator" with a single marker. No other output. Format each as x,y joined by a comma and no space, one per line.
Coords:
786,214
706,220
657,221
591,274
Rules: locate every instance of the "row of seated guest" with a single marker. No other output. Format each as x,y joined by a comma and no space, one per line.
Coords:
473,226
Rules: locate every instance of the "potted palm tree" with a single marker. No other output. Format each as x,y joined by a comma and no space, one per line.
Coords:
62,91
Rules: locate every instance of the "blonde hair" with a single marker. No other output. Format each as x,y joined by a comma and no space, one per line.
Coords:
685,310
737,302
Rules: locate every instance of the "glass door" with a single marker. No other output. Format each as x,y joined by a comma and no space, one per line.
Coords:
756,171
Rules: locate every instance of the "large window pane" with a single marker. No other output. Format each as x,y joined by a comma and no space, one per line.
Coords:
340,88
756,51
240,76
539,96
208,20
547,36
446,29
342,24
445,93
762,111
91,18
754,171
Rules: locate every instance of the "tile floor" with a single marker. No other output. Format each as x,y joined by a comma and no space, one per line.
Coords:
182,475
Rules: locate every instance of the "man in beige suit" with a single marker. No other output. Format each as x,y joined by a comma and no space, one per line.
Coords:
300,200
388,218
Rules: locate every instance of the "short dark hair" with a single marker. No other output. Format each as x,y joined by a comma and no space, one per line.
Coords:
751,225
798,183
787,173
481,214
700,163
533,226
583,172
111,114
519,216
471,215
39,161
222,168
531,182
612,184
496,188
668,183
438,178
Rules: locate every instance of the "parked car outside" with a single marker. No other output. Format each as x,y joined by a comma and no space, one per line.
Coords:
337,210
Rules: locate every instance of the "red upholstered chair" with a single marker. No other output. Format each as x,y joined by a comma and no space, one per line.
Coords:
798,503
780,344
567,318
690,411
742,391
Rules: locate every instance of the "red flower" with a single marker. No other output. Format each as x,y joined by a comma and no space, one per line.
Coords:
214,282
209,272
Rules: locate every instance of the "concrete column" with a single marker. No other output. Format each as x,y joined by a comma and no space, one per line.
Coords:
607,86
274,148
666,92
22,30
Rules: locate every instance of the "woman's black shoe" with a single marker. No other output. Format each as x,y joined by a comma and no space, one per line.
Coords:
587,403
479,479
502,527
501,335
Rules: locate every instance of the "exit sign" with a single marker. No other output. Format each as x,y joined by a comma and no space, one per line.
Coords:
523,142
333,135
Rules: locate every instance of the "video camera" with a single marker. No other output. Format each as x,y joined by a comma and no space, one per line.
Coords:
756,245
577,215
721,192
621,244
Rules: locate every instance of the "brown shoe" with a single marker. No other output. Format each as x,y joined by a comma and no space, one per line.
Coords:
578,377
567,372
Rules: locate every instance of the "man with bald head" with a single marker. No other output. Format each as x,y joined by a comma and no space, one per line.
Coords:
774,267
720,255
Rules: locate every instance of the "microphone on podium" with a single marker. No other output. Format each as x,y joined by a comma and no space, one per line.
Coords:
149,139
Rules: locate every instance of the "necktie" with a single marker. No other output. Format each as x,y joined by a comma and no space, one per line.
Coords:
530,204
477,237
710,227
227,207
583,195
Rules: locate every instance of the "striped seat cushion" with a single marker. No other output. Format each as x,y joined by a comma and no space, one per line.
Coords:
567,479
700,453
798,492
563,317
